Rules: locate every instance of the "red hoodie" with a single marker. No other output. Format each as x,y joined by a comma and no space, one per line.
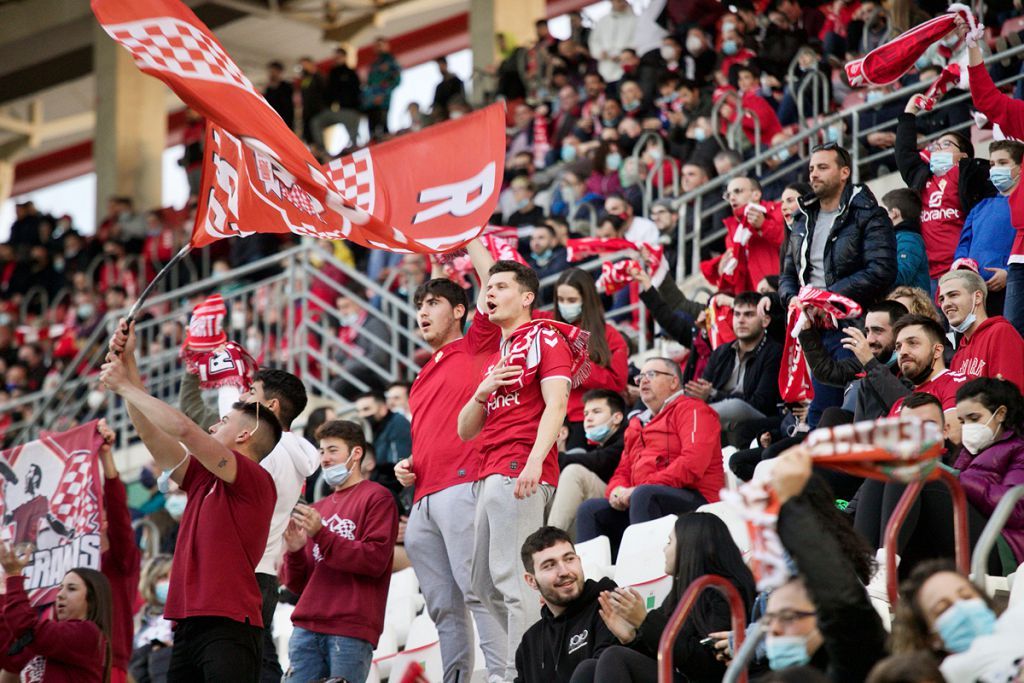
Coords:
121,565
69,651
344,572
995,348
679,447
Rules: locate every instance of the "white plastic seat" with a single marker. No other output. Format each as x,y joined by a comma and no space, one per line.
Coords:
596,557
405,584
731,481
383,656
654,591
421,632
737,527
642,551
282,631
427,656
399,614
1016,583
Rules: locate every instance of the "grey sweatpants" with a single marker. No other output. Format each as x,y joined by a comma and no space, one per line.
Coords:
439,540
502,525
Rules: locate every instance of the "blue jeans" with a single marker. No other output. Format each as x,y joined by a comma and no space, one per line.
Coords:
826,395
1013,305
315,656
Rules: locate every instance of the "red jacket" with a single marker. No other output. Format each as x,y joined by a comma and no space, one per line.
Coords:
995,348
679,447
612,377
71,651
121,565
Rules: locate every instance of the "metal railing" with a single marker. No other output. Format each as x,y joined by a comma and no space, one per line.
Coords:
285,303
989,536
700,204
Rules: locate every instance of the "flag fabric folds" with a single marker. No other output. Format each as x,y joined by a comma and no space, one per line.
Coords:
426,192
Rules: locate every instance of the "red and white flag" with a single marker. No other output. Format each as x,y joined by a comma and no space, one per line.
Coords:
412,194
52,500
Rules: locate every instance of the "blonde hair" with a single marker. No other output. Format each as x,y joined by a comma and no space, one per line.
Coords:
972,281
153,570
920,302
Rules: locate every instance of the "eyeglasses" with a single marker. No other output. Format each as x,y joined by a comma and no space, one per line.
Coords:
732,193
650,374
786,617
943,145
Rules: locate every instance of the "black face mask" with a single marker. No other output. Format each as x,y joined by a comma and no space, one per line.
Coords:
922,376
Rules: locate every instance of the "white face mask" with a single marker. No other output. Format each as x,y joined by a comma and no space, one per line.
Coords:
977,436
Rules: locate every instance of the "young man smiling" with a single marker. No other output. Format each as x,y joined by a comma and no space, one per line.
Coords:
517,411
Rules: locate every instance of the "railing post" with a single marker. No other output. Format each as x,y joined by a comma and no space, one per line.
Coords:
989,536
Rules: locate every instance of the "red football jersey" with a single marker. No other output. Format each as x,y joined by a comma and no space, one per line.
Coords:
943,387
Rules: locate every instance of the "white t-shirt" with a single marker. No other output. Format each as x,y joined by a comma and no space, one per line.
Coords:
292,460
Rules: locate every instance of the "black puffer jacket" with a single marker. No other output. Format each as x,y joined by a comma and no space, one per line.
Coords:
860,256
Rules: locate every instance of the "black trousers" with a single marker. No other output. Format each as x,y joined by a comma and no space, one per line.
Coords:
620,664
215,650
270,668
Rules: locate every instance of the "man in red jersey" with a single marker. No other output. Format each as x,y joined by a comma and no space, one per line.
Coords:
990,346
919,344
213,596
439,534
517,410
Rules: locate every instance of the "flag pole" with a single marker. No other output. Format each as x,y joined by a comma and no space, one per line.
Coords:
137,306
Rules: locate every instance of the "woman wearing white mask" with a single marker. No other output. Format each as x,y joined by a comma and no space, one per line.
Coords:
578,303
151,655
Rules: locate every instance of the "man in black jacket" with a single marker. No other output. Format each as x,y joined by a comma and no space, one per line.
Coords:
841,241
585,471
570,631
951,183
872,372
343,98
741,379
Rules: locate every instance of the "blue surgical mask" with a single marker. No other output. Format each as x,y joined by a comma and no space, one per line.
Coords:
730,47
786,651
160,591
631,106
571,312
892,360
543,256
598,433
700,135
873,96
923,62
568,154
613,161
349,320
966,323
522,204
834,133
941,162
336,475
782,155
1002,178
175,506
964,621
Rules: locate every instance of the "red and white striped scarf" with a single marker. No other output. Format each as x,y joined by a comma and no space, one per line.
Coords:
523,349
227,366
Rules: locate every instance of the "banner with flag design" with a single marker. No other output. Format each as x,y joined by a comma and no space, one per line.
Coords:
52,501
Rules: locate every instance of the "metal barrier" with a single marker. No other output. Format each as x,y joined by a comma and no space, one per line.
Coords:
149,541
989,536
744,655
683,609
899,516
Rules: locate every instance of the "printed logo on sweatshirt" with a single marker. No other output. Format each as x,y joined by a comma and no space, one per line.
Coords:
345,528
579,640
972,367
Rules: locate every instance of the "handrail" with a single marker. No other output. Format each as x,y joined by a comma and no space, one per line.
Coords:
150,536
738,666
989,536
683,609
899,516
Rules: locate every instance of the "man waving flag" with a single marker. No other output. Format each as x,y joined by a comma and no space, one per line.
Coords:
259,177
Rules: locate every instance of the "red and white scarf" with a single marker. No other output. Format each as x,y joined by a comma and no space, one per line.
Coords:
794,376
524,347
949,77
229,365
615,276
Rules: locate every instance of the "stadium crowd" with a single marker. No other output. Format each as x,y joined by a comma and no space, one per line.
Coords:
531,426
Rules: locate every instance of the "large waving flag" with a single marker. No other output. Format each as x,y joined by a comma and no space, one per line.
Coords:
411,194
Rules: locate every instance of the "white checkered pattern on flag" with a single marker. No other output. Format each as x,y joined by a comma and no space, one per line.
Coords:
175,46
72,503
353,176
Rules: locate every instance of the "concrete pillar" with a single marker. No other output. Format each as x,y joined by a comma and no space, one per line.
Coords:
514,18
131,128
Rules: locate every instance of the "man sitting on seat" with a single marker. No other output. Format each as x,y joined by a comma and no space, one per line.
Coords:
672,462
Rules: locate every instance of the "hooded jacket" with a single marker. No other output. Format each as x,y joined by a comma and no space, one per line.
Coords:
989,475
912,257
860,255
553,647
601,459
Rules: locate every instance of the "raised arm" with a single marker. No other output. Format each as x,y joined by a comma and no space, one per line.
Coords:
482,261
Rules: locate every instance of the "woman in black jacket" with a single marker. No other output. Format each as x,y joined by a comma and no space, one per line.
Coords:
699,544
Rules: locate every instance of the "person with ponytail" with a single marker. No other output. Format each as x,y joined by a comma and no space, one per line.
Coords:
578,303
74,647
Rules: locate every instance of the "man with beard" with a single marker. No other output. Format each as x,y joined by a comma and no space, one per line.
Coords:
571,633
919,345
841,241
872,372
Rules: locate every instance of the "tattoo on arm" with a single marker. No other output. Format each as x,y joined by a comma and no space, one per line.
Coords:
223,462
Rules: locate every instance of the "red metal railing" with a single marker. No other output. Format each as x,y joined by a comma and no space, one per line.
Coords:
683,609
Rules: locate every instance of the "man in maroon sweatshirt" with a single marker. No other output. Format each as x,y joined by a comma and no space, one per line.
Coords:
339,554
121,558
990,346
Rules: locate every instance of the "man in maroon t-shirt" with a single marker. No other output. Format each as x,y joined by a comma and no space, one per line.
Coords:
517,411
439,535
919,345
990,346
213,597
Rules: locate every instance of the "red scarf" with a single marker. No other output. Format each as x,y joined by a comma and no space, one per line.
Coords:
949,77
227,366
616,275
523,349
794,376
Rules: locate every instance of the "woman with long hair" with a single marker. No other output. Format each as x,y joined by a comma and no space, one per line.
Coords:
699,544
75,646
151,656
604,178
578,303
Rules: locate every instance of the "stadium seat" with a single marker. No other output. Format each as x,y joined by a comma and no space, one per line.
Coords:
427,656
731,481
654,591
1016,582
404,583
421,632
1014,25
732,519
283,631
398,615
642,551
374,675
596,557
387,646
